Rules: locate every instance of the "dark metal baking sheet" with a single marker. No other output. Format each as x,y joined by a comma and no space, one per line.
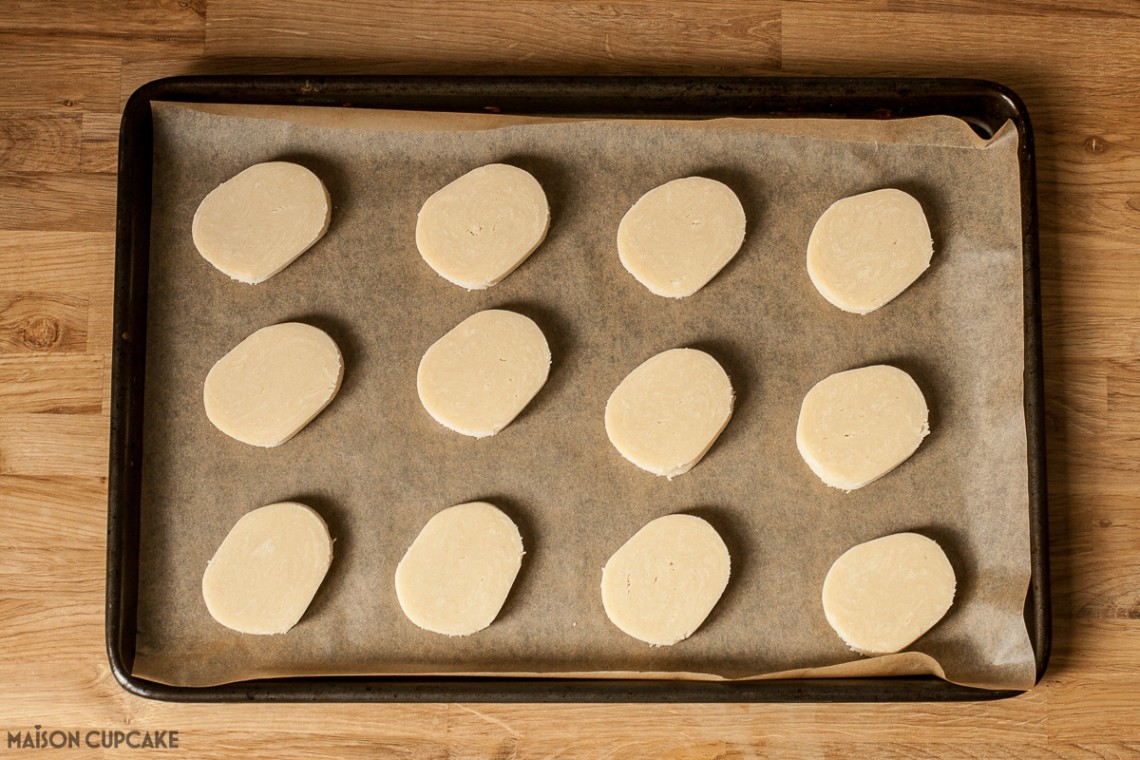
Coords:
986,106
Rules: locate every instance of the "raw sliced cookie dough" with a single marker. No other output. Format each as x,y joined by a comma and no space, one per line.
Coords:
273,383
458,572
857,426
479,376
881,595
257,223
267,570
478,229
680,234
662,583
667,413
867,249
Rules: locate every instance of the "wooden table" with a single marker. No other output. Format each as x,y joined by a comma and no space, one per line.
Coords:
67,68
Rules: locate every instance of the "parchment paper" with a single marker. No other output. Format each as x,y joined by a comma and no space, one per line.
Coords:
377,466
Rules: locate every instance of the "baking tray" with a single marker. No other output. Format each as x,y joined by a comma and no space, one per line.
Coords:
986,106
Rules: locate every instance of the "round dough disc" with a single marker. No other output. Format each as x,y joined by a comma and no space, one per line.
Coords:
476,230
267,570
857,426
667,413
458,572
273,383
662,583
881,595
256,224
479,376
867,249
679,235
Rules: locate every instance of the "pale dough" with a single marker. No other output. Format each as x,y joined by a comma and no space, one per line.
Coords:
273,383
667,413
479,376
679,235
662,583
257,223
867,249
267,570
857,426
476,230
458,572
881,595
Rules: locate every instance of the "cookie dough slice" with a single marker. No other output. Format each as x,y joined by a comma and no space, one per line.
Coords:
680,234
867,249
479,376
273,383
478,229
458,572
267,570
662,583
880,596
257,223
667,413
857,426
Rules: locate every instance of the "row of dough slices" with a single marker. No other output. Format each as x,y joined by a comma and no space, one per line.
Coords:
863,252
658,587
665,415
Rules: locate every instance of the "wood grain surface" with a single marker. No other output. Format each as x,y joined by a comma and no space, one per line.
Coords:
68,67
